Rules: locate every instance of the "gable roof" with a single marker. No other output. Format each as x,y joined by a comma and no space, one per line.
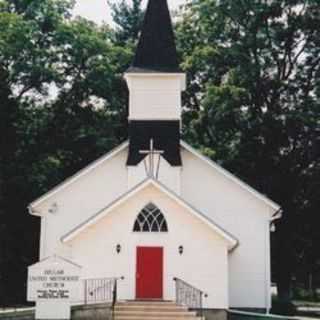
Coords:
156,50
76,176
231,177
124,145
229,238
54,258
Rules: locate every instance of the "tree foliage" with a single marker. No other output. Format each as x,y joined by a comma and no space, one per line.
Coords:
128,18
63,103
253,104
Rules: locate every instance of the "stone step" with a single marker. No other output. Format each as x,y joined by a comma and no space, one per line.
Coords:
152,310
147,303
158,313
146,308
145,317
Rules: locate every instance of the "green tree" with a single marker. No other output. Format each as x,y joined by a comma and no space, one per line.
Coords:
128,19
63,103
253,104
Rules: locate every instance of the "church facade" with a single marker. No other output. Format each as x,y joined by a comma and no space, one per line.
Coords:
154,209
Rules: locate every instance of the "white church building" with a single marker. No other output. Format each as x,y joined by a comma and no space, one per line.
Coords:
154,212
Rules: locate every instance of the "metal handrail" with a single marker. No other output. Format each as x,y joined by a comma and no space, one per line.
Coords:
99,290
188,295
115,295
188,284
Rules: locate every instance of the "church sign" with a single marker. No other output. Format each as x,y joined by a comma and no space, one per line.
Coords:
53,280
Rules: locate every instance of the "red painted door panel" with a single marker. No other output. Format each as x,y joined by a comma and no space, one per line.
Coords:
149,276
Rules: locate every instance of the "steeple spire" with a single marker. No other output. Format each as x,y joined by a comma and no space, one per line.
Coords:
155,84
156,51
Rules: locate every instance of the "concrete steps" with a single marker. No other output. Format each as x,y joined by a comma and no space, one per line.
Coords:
152,310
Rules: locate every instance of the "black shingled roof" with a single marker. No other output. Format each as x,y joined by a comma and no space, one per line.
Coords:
156,51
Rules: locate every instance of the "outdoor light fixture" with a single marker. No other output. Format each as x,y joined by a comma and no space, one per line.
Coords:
272,227
54,208
118,248
180,249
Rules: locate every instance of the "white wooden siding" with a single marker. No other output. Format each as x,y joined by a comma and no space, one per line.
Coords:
203,263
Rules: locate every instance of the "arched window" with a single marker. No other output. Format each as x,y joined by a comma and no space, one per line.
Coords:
150,219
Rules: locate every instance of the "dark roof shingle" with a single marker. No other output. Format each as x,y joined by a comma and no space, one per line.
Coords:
156,50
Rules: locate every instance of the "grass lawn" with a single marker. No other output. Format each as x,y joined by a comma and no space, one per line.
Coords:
23,313
302,303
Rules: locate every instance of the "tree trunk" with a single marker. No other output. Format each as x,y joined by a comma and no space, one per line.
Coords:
283,260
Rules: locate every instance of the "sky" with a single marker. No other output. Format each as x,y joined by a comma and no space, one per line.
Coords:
98,11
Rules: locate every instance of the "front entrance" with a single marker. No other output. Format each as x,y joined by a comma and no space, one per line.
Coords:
149,273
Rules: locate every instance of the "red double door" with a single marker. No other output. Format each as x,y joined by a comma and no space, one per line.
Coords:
149,273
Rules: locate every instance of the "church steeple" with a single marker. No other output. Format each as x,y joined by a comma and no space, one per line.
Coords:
156,49
155,83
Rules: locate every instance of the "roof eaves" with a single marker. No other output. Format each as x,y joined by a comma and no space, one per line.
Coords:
96,216
55,256
133,69
232,177
233,241
76,176
227,235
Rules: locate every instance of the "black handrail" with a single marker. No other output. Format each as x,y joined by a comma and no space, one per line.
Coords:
101,290
188,295
115,295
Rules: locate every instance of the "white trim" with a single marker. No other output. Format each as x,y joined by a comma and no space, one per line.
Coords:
233,242
231,176
267,268
32,207
154,74
181,75
55,256
75,177
43,231
223,233
147,118
102,213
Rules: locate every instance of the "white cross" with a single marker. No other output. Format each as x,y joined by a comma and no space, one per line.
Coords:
151,153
